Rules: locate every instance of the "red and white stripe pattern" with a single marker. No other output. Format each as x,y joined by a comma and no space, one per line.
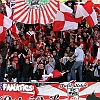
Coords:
86,10
24,14
15,31
5,23
97,8
54,89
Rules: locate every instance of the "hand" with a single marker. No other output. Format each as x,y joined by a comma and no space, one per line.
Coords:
7,55
75,71
30,78
67,71
19,55
6,75
51,55
12,55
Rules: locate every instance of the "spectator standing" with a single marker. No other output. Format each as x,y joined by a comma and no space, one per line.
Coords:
51,45
26,70
79,58
97,69
61,68
68,67
50,66
30,33
88,58
12,74
36,63
40,71
2,69
65,58
55,56
90,75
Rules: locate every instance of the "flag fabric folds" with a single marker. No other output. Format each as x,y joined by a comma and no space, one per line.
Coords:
64,8
9,12
86,10
5,23
15,31
54,74
97,8
31,14
65,21
2,36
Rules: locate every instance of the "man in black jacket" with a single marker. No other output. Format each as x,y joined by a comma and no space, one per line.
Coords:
90,75
61,68
2,68
68,67
26,70
12,74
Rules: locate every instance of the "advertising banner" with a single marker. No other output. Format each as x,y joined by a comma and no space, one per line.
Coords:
55,91
9,91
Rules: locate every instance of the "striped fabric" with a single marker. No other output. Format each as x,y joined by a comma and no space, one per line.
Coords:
31,15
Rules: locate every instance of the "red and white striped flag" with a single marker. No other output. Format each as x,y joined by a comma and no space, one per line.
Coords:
5,23
15,31
86,10
14,28
3,35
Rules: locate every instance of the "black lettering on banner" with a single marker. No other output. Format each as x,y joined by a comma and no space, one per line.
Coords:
73,92
34,2
20,98
1,98
56,97
6,98
51,98
37,98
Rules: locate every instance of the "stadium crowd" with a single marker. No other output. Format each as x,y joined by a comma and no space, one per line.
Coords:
40,51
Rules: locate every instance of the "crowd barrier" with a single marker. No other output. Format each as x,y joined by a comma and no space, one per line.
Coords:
50,91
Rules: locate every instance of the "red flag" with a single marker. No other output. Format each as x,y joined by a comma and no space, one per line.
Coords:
97,8
64,8
9,12
15,31
36,91
86,10
5,23
56,74
65,21
3,35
